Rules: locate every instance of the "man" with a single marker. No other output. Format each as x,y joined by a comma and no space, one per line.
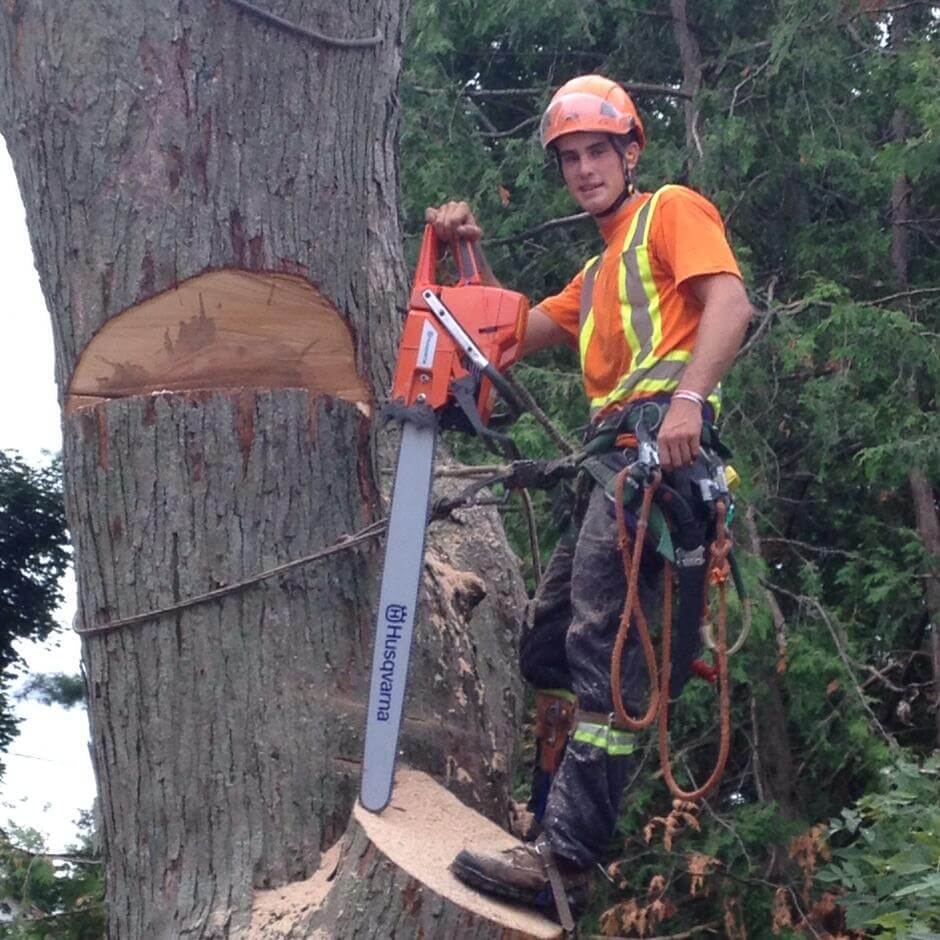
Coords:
657,318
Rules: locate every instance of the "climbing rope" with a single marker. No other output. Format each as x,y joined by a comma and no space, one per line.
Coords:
441,510
344,543
719,570
632,609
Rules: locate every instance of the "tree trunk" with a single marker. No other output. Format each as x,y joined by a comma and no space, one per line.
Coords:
197,155
394,866
774,767
691,58
922,491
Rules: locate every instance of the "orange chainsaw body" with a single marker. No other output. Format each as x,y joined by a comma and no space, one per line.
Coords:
429,360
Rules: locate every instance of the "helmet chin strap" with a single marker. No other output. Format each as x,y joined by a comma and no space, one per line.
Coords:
629,188
616,204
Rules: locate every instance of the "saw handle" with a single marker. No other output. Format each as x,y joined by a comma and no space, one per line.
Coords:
469,262
466,254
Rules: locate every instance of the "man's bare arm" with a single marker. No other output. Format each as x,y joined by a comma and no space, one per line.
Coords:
722,327
542,332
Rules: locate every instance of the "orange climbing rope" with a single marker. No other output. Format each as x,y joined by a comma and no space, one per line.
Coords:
632,609
719,570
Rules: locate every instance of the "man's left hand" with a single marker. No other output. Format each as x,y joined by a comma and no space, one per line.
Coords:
680,434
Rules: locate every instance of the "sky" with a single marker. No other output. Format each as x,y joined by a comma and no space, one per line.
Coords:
48,778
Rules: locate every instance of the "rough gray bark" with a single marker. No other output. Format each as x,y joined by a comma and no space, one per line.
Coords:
154,141
401,884
774,765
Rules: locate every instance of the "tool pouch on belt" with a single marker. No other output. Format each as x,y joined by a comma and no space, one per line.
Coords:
555,714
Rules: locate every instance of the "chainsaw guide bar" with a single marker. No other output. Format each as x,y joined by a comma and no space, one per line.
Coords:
456,342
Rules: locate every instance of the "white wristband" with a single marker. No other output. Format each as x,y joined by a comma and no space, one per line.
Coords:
688,395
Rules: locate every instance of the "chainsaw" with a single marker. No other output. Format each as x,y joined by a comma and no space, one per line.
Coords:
456,342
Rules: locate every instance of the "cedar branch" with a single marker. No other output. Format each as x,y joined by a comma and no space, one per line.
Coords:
538,229
639,88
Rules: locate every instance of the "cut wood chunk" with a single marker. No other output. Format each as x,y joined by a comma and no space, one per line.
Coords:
223,329
389,877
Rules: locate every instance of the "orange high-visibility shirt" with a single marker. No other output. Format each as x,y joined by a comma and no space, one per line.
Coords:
630,310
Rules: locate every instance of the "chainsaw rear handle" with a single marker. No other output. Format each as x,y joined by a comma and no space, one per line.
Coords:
469,261
466,253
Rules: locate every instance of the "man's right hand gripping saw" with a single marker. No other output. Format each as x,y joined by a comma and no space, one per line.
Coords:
657,319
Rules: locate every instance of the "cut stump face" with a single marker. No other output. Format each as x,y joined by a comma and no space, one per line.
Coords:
390,872
223,329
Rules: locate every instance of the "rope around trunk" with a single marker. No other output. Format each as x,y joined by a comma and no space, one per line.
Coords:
441,510
344,543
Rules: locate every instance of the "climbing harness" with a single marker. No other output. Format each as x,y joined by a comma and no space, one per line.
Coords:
715,493
667,515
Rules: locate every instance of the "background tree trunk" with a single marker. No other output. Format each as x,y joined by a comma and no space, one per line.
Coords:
154,142
924,497
691,59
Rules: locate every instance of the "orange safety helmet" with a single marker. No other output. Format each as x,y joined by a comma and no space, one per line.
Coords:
591,103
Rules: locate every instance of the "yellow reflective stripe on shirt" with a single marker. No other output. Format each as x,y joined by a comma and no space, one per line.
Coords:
660,376
586,328
653,312
641,320
633,303
584,338
612,741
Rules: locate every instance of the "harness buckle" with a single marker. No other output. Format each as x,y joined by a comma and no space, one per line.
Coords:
647,453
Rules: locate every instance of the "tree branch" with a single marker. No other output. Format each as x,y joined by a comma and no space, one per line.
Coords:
892,9
906,294
639,88
819,550
537,229
512,130
805,601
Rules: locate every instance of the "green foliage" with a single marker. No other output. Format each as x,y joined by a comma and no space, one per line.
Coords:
810,114
890,862
33,558
54,688
51,896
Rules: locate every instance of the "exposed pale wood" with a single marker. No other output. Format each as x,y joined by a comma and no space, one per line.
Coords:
393,868
223,329
154,143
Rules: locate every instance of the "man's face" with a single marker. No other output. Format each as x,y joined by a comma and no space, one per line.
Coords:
592,168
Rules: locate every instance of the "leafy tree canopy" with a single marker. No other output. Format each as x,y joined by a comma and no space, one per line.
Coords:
814,125
33,557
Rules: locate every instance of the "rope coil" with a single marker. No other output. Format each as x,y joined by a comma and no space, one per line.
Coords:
719,571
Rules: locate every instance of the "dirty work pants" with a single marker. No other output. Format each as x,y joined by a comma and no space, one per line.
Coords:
574,620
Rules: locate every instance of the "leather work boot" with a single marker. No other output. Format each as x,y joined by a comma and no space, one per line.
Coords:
519,874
